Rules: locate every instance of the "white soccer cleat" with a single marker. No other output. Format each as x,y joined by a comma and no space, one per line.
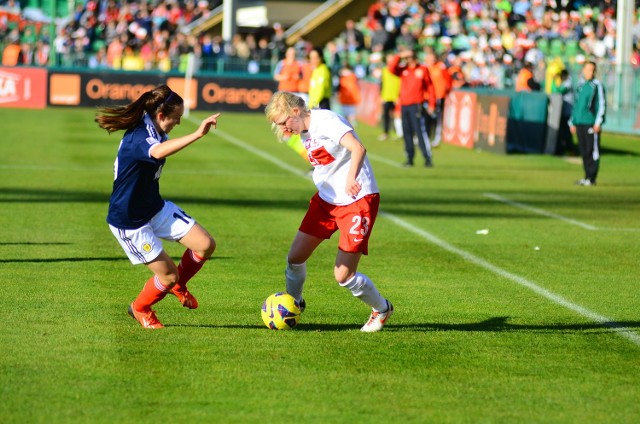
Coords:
377,320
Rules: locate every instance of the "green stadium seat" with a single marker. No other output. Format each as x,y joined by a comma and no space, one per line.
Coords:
543,45
572,48
556,48
364,57
353,58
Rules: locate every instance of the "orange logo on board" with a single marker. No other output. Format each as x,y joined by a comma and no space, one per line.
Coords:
65,89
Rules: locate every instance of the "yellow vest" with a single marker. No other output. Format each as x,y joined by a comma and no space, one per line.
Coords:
319,85
390,86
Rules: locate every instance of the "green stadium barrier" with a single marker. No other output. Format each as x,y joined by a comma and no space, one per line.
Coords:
527,123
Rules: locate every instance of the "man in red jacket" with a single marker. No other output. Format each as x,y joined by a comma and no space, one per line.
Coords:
416,88
442,86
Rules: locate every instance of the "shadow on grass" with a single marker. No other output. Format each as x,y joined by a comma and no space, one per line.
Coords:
301,327
620,152
496,324
412,204
55,260
499,324
34,243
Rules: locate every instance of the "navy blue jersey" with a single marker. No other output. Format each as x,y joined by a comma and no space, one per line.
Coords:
135,198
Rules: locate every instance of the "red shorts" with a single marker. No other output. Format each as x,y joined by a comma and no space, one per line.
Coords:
355,221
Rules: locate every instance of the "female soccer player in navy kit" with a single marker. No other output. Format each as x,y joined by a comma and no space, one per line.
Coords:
138,216
347,200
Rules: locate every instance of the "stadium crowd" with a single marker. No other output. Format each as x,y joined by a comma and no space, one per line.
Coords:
490,41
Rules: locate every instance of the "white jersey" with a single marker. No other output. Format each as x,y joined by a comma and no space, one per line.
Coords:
331,160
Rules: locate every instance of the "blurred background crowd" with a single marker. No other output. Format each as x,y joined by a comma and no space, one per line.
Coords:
489,40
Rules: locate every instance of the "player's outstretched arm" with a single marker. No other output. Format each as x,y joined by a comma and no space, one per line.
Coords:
172,146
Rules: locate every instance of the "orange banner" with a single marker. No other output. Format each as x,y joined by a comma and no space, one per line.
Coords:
23,87
459,121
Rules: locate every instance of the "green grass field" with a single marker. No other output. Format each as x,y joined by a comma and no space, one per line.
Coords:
536,321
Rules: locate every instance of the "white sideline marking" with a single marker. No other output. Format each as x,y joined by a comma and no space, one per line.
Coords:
625,332
384,160
554,215
540,211
266,156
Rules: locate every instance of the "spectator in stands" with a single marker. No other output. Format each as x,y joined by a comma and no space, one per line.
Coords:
348,93
98,60
212,50
278,41
380,38
11,7
592,45
352,37
41,54
525,80
448,26
263,55
406,39
332,57
635,56
288,72
509,70
415,88
455,71
12,54
115,51
586,122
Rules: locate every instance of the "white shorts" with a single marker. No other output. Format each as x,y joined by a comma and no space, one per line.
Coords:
143,244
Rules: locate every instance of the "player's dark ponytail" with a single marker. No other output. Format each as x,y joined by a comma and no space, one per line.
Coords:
160,99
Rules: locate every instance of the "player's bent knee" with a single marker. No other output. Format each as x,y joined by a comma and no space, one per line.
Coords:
169,280
210,248
343,275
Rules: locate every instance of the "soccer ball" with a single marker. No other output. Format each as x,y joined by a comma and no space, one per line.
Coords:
280,311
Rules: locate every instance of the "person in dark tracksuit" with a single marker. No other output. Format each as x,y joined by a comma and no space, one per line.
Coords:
586,121
416,88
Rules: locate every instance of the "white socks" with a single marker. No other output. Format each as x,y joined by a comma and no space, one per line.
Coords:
397,124
364,289
360,286
295,275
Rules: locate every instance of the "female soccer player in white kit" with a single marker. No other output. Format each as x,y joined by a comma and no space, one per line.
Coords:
347,200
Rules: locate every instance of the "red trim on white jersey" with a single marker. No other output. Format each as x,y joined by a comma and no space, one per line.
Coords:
332,161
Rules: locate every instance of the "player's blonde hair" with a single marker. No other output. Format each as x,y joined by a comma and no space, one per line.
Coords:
281,105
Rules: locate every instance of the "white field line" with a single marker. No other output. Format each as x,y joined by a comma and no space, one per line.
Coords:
625,332
540,211
382,159
264,155
554,215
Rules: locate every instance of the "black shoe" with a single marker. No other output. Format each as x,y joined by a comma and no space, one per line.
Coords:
407,164
428,164
303,305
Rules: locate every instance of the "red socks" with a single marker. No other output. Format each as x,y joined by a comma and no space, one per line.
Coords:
189,265
152,293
